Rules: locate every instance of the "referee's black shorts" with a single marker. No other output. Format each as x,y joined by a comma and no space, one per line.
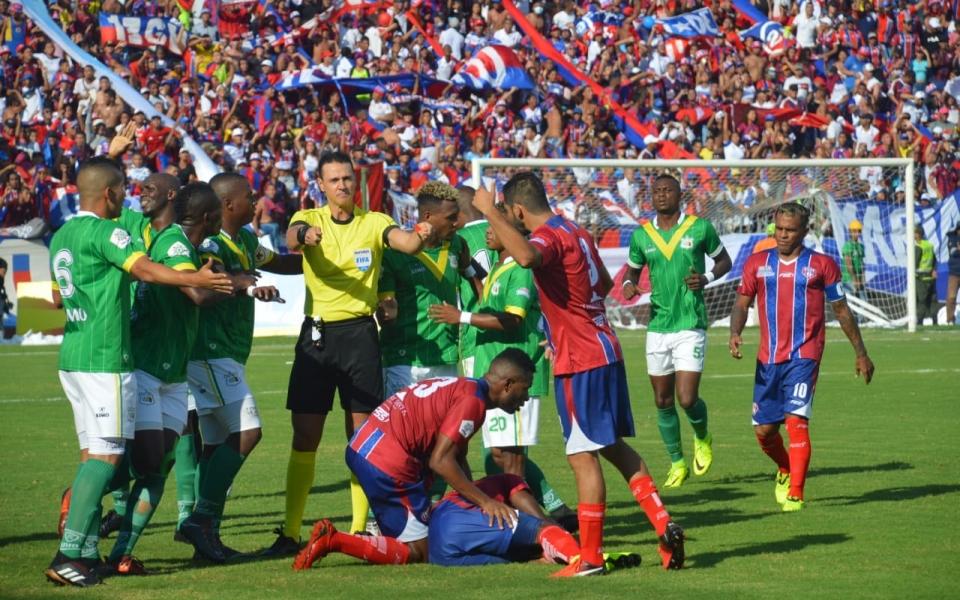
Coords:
349,362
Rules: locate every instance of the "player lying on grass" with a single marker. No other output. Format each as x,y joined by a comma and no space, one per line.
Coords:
422,428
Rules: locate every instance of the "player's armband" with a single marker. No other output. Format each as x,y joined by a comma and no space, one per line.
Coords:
835,292
386,234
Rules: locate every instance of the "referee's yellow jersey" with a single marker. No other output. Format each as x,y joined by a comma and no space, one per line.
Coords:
341,273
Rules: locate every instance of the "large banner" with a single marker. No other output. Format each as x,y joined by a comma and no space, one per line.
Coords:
691,25
142,32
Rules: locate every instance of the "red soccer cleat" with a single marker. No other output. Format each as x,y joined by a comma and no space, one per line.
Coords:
318,546
671,547
579,568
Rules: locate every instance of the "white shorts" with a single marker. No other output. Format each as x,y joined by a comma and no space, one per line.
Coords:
399,377
466,365
217,382
218,423
671,352
503,430
191,401
104,409
160,405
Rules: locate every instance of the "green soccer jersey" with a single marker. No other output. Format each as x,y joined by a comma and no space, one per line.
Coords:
475,235
430,277
669,255
138,226
855,251
164,320
226,329
90,258
509,288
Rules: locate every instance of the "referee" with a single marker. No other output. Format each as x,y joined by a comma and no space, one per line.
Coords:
338,349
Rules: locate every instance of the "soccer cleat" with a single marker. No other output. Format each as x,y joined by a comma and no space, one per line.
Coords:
679,472
179,537
204,540
111,523
64,509
317,547
702,455
793,504
125,566
372,528
284,546
671,546
783,487
579,568
77,572
566,518
616,561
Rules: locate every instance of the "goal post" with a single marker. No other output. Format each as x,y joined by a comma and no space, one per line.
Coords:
610,198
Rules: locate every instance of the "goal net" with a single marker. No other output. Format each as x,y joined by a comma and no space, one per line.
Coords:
611,198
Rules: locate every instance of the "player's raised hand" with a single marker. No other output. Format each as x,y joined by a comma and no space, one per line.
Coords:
736,342
865,366
484,200
695,281
630,290
268,293
499,514
209,279
444,313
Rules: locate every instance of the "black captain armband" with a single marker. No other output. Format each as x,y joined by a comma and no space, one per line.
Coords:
386,235
302,235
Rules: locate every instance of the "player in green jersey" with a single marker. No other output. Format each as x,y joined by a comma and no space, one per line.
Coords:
673,246
474,233
90,258
163,326
229,419
508,316
414,347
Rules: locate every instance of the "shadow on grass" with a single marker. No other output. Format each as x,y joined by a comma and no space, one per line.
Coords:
326,488
819,472
709,560
625,528
46,536
894,494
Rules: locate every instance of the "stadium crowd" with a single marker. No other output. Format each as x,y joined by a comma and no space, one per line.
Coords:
853,79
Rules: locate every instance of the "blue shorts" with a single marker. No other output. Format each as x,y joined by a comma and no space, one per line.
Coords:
402,509
463,537
784,389
594,408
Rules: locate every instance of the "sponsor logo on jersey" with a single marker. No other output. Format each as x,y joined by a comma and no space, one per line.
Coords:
120,238
599,321
765,271
786,275
797,402
145,398
809,272
495,289
166,366
102,413
381,414
523,292
686,242
178,249
417,269
232,379
363,258
252,411
466,428
209,246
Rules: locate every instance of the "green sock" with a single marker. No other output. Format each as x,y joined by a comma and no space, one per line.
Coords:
543,492
146,495
185,469
85,507
437,490
669,423
697,414
223,467
120,500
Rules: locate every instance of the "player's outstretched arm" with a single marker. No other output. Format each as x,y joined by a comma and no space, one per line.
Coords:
444,461
284,264
240,284
451,315
526,254
848,322
410,242
738,320
206,278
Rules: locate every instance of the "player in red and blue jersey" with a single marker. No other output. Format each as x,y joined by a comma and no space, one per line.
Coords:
589,377
790,283
422,428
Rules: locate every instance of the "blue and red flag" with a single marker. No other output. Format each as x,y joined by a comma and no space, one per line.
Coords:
599,24
691,25
494,67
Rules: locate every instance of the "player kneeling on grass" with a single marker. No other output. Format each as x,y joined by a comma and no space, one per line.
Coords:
790,283
424,427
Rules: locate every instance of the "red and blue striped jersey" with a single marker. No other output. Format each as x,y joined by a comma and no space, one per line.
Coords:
790,302
571,297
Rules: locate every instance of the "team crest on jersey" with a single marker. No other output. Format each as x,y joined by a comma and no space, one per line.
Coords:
145,398
495,288
209,246
178,249
466,428
363,259
120,238
765,271
809,272
231,379
454,261
686,242
523,292
260,256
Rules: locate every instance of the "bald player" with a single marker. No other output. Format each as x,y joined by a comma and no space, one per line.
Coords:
90,259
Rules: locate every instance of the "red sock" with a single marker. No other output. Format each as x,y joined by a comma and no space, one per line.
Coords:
645,492
591,532
773,447
557,544
798,430
377,550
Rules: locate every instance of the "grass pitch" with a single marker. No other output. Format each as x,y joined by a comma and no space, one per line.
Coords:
881,519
